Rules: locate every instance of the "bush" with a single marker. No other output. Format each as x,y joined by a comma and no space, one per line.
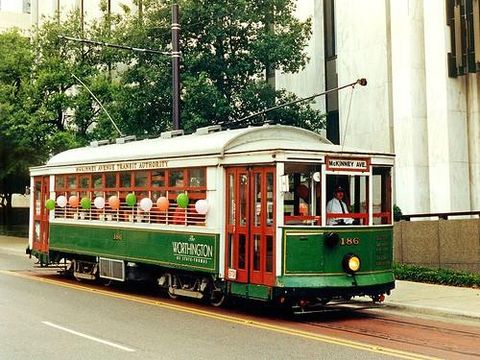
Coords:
397,213
436,276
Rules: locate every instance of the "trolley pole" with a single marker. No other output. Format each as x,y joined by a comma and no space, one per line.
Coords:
175,68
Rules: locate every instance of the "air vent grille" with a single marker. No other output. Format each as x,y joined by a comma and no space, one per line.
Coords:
112,269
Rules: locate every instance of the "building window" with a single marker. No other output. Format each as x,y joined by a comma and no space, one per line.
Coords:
331,78
463,18
26,6
329,23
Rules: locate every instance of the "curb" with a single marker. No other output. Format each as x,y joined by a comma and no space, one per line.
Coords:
445,312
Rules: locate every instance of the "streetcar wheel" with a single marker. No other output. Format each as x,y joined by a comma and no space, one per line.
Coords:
170,294
217,298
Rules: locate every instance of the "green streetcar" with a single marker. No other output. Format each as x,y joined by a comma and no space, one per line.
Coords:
273,213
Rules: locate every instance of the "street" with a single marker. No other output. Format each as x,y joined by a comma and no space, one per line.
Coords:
43,315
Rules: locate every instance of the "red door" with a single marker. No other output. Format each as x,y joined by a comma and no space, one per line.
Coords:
250,255
40,214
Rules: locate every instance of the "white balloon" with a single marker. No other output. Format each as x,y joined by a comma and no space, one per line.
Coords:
146,204
201,206
99,202
62,201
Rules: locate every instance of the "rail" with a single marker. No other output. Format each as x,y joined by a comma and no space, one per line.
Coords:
443,215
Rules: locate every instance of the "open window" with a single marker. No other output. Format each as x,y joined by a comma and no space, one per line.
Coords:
303,184
381,195
347,202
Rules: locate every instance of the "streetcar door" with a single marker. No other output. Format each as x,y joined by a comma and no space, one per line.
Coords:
250,225
40,213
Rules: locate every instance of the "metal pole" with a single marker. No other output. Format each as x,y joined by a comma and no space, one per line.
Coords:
175,68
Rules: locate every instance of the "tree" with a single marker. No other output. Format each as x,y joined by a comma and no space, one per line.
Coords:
43,110
16,59
227,46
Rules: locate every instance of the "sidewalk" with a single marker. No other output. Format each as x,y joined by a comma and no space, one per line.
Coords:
436,300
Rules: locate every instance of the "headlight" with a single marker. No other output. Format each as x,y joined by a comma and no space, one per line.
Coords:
351,263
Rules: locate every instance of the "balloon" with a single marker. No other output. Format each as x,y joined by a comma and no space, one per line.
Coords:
303,209
201,206
162,203
131,199
73,201
50,204
99,202
114,202
146,204
86,203
182,200
62,201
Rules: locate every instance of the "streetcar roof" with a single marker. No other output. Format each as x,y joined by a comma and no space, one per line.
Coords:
262,138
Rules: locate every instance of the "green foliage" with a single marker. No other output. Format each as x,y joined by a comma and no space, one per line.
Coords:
397,213
226,48
436,276
18,130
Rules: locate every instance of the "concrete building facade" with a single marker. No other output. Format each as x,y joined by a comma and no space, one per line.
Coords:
412,106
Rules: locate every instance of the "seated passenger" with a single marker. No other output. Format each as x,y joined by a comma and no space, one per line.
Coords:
337,206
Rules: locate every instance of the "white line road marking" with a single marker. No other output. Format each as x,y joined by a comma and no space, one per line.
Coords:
124,348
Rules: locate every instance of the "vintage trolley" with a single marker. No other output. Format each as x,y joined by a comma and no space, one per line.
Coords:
216,214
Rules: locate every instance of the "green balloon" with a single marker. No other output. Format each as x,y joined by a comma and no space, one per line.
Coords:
182,200
50,204
131,199
86,203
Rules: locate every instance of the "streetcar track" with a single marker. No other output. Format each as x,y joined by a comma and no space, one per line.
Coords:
471,336
429,327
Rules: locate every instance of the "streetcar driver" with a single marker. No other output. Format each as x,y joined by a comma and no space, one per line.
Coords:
337,206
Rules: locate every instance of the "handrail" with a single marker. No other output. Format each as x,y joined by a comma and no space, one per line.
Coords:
442,215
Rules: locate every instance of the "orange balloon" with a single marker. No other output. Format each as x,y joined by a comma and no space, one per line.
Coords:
73,201
162,203
114,202
303,209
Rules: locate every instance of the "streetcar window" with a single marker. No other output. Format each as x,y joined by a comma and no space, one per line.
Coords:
381,195
197,177
298,206
242,251
38,197
270,214
158,178
97,180
141,179
176,178
347,194
59,182
84,182
125,179
110,180
243,199
231,200
269,257
72,182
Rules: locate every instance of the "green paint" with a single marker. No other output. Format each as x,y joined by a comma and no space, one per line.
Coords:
251,291
305,251
336,281
189,251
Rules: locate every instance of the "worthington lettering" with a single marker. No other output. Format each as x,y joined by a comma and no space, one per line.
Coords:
200,250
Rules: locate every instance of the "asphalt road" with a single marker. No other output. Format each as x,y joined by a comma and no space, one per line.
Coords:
42,320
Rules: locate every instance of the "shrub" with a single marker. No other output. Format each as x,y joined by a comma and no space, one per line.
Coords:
436,276
397,213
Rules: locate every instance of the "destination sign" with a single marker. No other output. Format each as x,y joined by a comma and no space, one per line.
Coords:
122,166
347,164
